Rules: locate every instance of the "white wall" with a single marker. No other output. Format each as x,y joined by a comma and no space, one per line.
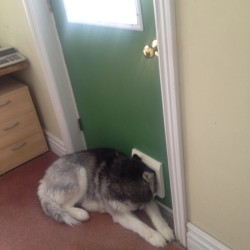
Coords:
214,67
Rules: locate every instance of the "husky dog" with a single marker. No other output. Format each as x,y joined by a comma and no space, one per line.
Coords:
103,180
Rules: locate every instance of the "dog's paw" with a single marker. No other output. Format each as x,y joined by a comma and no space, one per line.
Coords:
78,213
82,215
156,239
167,233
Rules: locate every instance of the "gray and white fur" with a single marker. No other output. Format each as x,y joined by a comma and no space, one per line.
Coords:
103,180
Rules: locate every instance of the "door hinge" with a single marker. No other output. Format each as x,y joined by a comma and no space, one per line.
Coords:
80,124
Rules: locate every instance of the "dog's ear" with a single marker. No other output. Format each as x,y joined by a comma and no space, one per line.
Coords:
150,178
136,157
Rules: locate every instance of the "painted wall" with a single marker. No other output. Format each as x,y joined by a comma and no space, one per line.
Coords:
15,32
214,66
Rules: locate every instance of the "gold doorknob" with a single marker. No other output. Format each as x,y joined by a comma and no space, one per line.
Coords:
150,51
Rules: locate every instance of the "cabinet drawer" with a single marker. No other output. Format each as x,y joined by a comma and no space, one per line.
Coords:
18,128
22,151
12,105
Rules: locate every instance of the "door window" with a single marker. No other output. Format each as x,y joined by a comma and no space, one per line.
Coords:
112,13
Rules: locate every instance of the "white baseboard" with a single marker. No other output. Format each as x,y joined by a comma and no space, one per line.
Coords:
55,144
199,240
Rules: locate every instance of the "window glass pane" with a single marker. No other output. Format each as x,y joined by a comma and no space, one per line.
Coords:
114,13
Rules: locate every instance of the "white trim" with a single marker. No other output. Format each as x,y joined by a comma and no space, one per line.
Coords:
55,72
198,239
165,28
55,144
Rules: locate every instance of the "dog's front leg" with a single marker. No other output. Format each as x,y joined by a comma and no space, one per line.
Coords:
158,221
130,221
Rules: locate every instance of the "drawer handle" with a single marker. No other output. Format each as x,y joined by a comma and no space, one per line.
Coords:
19,146
5,103
11,126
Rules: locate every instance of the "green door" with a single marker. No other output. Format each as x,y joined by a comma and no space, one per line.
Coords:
117,90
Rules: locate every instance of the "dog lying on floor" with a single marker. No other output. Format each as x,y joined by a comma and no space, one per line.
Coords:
103,180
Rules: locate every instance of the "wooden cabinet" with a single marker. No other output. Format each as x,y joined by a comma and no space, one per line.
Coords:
21,136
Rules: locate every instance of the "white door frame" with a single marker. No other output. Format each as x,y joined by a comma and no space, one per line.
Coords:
50,53
55,72
166,28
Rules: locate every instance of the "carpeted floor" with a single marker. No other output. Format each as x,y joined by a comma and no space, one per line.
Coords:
23,225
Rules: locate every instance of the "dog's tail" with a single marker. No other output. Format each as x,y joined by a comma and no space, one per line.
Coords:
52,208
